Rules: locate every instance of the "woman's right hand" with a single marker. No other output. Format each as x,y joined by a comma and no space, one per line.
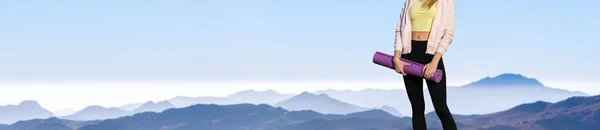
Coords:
399,65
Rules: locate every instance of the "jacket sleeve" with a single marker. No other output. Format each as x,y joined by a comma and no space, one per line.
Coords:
398,34
448,33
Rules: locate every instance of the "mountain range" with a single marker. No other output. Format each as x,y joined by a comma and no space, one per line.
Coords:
322,103
30,109
575,113
491,94
23,111
245,96
221,117
99,112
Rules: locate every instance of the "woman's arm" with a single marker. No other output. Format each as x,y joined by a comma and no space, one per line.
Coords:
448,34
437,57
398,64
398,32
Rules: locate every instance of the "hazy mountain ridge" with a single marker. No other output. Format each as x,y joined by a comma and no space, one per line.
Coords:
259,97
501,92
459,97
246,96
203,116
320,103
506,80
130,107
25,110
153,107
328,105
99,112
47,124
575,113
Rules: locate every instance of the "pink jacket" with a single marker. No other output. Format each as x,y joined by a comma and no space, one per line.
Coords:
441,34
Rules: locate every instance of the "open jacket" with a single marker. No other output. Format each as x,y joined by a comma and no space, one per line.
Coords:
442,30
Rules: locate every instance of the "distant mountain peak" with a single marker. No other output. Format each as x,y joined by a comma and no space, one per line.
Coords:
148,102
510,75
256,91
308,94
250,92
32,103
253,90
154,106
25,110
305,92
318,102
156,103
506,80
270,91
94,107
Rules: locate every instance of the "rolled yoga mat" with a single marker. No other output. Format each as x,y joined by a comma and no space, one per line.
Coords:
414,69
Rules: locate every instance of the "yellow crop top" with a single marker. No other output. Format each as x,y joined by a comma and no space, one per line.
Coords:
421,17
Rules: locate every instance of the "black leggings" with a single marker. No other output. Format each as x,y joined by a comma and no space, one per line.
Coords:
437,91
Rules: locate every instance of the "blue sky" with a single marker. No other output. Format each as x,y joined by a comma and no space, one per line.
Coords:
283,40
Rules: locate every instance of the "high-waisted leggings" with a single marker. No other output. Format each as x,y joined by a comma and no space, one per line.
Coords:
437,91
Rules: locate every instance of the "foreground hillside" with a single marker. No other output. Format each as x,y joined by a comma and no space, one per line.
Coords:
575,113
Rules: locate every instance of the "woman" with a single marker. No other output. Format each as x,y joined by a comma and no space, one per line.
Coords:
424,31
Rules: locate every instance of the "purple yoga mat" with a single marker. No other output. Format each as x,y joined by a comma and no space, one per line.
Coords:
414,69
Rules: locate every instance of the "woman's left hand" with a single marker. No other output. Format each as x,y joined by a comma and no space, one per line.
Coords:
429,69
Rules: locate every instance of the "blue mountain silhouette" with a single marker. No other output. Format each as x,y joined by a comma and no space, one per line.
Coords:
221,117
575,113
245,96
52,123
487,95
506,80
154,107
319,103
97,113
259,97
239,116
25,110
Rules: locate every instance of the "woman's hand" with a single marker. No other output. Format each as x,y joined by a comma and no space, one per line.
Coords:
399,65
429,69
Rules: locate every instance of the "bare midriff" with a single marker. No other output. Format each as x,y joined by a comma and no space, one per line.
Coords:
420,36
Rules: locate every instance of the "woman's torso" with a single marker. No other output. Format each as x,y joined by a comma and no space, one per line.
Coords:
422,19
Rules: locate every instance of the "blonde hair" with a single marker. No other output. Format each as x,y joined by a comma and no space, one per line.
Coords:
430,3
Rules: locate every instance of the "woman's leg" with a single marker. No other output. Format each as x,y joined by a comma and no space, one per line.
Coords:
437,92
414,86
414,90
